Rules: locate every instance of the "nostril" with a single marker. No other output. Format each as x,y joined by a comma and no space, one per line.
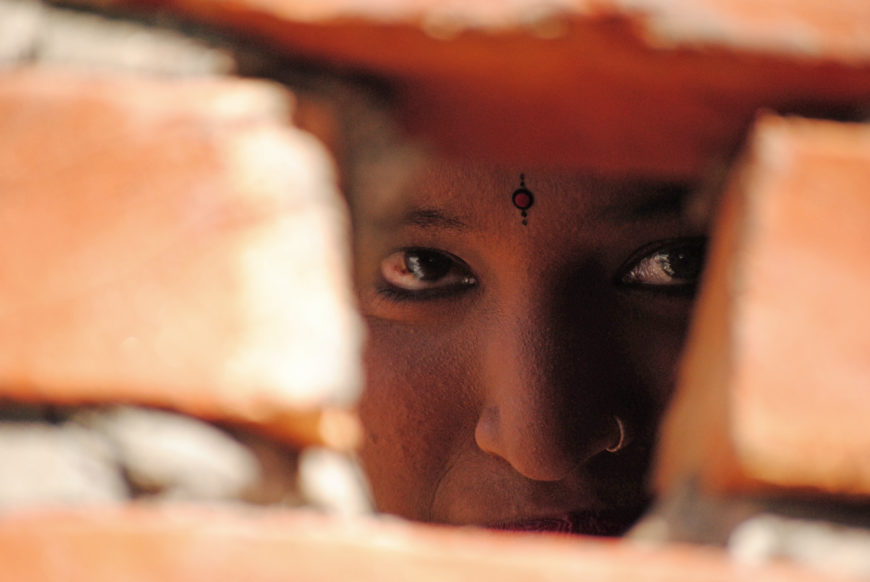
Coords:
529,447
486,431
544,450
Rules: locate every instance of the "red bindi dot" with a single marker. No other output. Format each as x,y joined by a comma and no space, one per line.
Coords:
522,199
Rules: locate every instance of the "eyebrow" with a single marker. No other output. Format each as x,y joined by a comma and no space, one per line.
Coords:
432,218
656,200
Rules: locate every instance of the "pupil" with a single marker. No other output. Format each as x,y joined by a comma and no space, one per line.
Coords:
427,265
684,262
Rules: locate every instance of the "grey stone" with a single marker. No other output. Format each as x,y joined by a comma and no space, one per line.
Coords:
33,31
175,456
19,29
818,544
46,465
334,482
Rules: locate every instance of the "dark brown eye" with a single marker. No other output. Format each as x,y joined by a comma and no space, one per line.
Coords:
671,263
427,265
420,270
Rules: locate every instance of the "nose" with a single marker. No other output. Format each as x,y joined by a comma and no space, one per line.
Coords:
544,408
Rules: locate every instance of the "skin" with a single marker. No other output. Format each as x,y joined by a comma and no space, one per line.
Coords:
491,400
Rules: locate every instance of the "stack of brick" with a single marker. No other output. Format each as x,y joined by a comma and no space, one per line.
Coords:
177,314
766,445
152,351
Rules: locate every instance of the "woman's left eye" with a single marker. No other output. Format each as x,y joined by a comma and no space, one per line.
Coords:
420,273
676,263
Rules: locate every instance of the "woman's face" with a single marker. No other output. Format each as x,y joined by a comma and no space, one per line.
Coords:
506,362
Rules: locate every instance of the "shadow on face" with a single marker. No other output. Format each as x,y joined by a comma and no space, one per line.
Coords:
520,354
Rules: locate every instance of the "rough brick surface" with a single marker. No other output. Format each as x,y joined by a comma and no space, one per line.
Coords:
653,86
774,387
215,546
171,243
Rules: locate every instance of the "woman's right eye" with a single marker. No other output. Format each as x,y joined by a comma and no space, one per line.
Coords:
420,273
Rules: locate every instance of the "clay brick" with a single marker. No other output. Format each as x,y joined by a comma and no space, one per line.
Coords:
657,87
176,244
773,393
185,544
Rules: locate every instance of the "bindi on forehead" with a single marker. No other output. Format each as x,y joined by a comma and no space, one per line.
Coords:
523,199
460,199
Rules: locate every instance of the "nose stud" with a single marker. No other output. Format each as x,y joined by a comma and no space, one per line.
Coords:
622,441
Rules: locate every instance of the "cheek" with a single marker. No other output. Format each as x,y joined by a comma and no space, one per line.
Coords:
653,346
416,409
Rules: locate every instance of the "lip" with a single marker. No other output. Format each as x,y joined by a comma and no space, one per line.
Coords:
592,523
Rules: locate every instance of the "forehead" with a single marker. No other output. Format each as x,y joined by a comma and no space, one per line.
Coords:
459,194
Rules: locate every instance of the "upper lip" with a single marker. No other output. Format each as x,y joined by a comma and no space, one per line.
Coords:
593,523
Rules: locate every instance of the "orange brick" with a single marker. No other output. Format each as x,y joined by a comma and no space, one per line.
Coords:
185,545
774,389
171,243
657,87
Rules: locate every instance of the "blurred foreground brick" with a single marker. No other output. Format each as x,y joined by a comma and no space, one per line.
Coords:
774,392
175,244
659,87
186,545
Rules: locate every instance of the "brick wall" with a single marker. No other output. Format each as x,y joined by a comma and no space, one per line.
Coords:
159,158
